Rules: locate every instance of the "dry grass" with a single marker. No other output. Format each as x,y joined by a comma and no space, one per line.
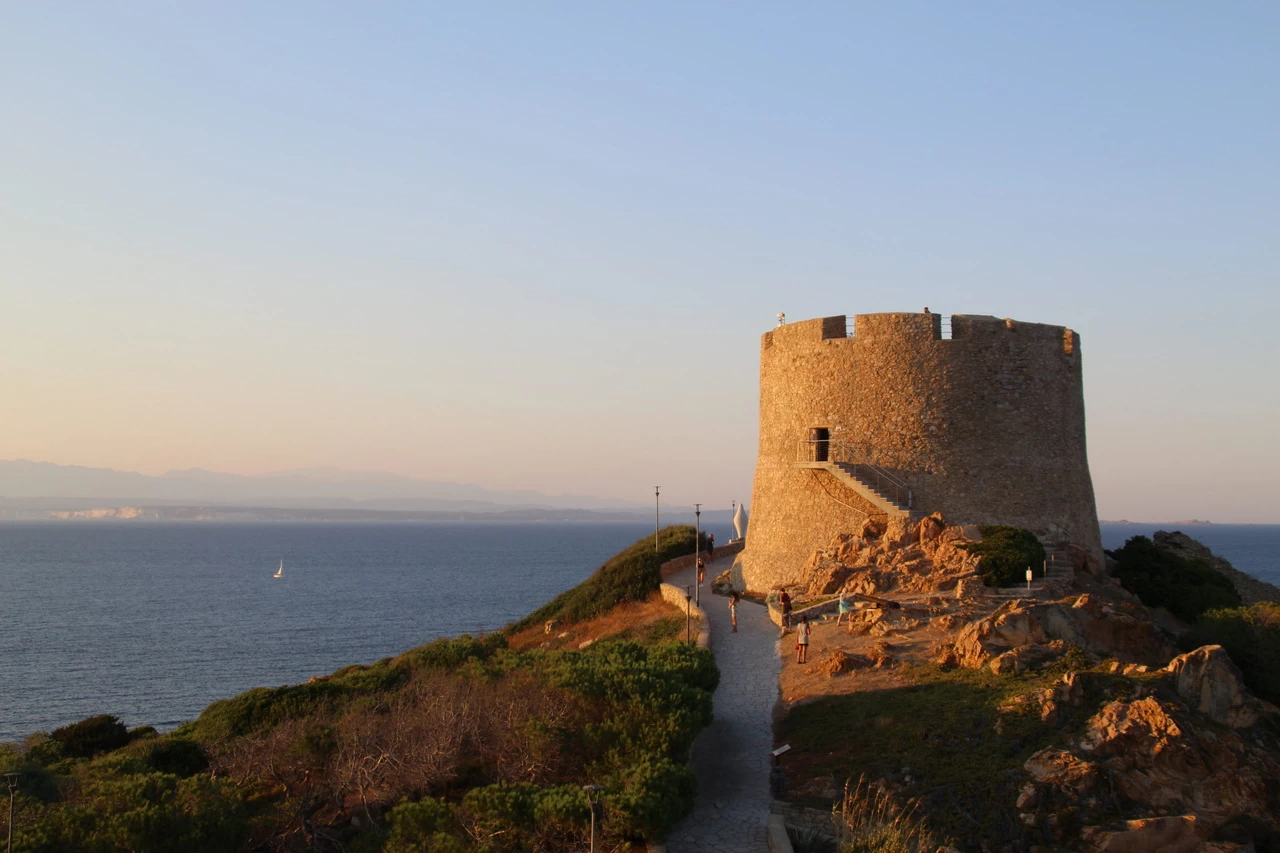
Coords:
870,821
649,621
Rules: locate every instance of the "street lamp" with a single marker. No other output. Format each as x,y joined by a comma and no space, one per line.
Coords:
655,520
593,800
697,552
12,779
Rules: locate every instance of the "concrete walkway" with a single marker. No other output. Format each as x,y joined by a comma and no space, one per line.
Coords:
732,755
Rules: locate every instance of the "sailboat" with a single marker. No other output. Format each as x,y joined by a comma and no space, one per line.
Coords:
280,571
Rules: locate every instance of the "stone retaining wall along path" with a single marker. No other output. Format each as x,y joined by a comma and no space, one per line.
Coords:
732,755
678,597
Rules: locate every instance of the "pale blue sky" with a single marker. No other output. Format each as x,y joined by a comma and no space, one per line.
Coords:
534,245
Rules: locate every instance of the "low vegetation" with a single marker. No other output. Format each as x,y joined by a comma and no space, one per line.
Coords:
1251,635
1005,553
631,575
460,745
647,622
1160,578
955,740
870,820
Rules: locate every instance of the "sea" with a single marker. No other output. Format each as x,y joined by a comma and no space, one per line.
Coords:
152,622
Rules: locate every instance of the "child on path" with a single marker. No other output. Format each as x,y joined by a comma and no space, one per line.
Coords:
845,608
802,640
784,602
733,610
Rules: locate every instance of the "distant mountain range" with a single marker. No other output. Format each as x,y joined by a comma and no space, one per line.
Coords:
31,489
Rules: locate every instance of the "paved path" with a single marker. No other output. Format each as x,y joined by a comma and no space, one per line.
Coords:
732,755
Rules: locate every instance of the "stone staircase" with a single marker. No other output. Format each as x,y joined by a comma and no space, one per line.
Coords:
863,480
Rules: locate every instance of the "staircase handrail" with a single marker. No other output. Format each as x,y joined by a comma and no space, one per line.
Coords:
839,451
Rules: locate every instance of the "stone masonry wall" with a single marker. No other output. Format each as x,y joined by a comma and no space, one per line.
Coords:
986,427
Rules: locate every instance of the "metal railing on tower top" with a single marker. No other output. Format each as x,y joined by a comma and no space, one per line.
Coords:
859,465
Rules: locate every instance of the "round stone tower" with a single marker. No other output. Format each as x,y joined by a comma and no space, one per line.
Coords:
981,419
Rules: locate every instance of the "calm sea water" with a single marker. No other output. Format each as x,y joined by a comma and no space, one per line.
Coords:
153,622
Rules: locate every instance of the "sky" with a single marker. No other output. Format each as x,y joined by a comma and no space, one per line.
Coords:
534,245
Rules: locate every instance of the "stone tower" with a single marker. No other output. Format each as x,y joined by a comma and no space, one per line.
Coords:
903,415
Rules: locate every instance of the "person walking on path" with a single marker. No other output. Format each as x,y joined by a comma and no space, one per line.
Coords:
784,602
733,609
711,546
845,609
802,640
702,570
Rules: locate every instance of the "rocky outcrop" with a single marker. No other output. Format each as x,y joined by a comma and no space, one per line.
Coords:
1149,758
1107,629
1027,657
897,555
1250,588
1213,685
1172,834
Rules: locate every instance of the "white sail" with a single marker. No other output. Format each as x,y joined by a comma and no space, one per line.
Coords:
740,522
280,571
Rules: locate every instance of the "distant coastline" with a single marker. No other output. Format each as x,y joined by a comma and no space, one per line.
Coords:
151,514
162,514
1185,521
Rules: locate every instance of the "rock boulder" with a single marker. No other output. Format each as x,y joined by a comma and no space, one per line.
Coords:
1212,684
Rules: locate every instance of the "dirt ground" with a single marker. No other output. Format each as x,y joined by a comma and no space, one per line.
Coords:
881,642
644,621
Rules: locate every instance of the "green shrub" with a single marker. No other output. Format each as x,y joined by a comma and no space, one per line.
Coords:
629,575
1251,635
156,813
649,796
263,707
450,654
42,749
178,756
424,825
1005,553
1160,578
91,736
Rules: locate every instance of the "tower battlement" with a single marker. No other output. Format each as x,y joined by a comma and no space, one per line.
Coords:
977,417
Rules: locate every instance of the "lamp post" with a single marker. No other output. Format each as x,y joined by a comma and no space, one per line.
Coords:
697,553
593,800
655,520
12,779
688,616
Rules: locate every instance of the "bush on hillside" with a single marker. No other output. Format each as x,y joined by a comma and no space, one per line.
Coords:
1005,553
91,736
630,575
1251,635
179,756
425,825
1160,578
155,812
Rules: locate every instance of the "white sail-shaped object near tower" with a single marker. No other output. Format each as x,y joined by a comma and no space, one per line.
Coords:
740,522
